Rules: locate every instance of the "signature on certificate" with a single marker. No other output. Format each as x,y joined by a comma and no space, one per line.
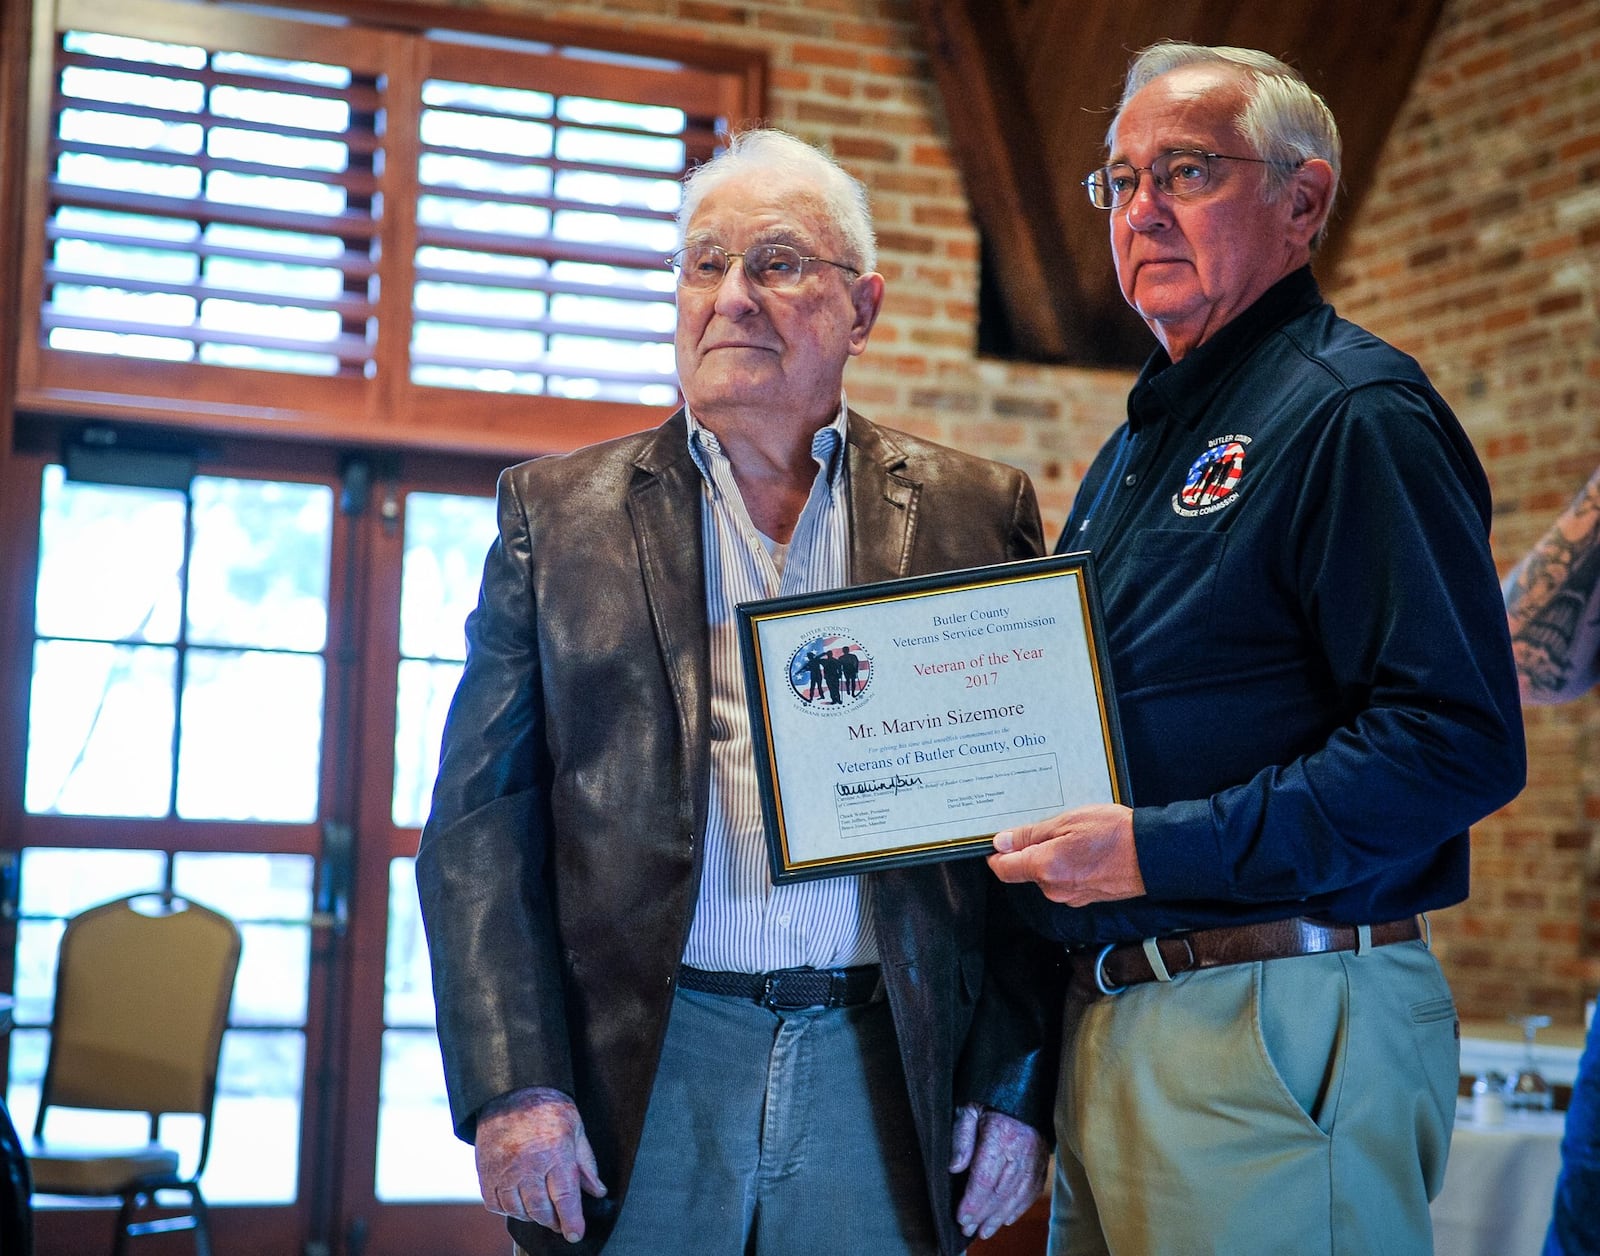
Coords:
884,785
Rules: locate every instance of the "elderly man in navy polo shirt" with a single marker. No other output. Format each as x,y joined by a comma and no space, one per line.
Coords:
1317,696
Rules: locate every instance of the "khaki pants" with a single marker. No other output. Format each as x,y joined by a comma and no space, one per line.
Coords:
1301,1105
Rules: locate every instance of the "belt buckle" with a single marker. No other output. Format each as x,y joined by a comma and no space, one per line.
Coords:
1100,973
770,999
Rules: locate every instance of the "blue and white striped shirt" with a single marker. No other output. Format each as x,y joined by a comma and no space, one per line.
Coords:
742,922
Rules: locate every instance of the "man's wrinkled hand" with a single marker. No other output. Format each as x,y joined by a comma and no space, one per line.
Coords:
1082,856
534,1159
1005,1159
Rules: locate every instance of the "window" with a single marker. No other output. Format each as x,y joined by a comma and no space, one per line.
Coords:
211,207
160,615
194,665
541,225
294,221
446,536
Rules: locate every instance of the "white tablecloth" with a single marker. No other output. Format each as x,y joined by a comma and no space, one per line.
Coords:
1498,1186
1557,1061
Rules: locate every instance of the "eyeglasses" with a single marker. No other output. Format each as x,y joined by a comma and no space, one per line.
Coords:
1180,172
767,265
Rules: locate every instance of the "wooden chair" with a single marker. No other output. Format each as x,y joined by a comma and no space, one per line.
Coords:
143,985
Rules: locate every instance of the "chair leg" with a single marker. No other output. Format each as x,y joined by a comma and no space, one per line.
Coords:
202,1221
130,1205
198,1220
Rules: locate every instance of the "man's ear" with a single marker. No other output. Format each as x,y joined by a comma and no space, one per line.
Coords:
1311,198
866,294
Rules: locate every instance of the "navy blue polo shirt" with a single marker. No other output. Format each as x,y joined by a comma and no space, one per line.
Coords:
1308,644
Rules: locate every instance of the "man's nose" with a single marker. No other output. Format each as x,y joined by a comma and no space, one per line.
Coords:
735,293
1150,209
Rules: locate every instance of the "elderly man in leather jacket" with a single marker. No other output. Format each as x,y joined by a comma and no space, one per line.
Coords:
605,937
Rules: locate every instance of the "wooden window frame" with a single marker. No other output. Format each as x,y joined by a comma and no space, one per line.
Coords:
386,408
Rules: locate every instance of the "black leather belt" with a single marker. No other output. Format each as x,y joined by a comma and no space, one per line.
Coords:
788,988
1131,963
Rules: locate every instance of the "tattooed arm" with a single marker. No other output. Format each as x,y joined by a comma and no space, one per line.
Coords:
1553,599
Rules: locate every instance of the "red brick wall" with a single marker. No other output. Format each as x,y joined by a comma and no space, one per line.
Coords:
1478,252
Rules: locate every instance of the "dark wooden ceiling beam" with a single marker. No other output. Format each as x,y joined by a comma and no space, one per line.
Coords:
1028,86
987,110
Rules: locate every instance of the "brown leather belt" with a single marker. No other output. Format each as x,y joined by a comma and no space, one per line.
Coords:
1131,963
788,988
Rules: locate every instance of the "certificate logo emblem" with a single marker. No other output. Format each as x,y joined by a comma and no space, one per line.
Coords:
830,672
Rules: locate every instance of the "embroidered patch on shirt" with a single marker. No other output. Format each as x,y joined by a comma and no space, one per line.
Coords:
1213,479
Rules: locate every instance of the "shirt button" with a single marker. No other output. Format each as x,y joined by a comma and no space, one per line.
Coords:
1131,480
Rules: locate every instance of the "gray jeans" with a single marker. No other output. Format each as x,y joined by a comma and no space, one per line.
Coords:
776,1134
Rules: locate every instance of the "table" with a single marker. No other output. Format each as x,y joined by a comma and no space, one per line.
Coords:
1498,1185
1497,1045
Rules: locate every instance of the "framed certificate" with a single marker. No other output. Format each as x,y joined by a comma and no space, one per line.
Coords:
909,721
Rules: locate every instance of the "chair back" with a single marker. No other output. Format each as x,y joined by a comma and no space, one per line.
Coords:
143,985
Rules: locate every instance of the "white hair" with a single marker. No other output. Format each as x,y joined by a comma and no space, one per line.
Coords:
1283,120
839,195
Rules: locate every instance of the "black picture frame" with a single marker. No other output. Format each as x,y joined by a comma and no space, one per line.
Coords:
970,770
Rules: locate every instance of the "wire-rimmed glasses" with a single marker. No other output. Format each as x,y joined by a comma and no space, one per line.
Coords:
767,265
1178,172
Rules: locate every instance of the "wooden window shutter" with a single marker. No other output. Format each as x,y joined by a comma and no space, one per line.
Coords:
256,222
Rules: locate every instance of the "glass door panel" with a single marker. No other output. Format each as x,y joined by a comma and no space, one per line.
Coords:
263,767
419,1157
102,717
445,539
177,698
411,1185
254,1155
216,607
199,654
110,561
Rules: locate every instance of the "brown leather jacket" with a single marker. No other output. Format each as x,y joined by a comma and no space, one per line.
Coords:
559,868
